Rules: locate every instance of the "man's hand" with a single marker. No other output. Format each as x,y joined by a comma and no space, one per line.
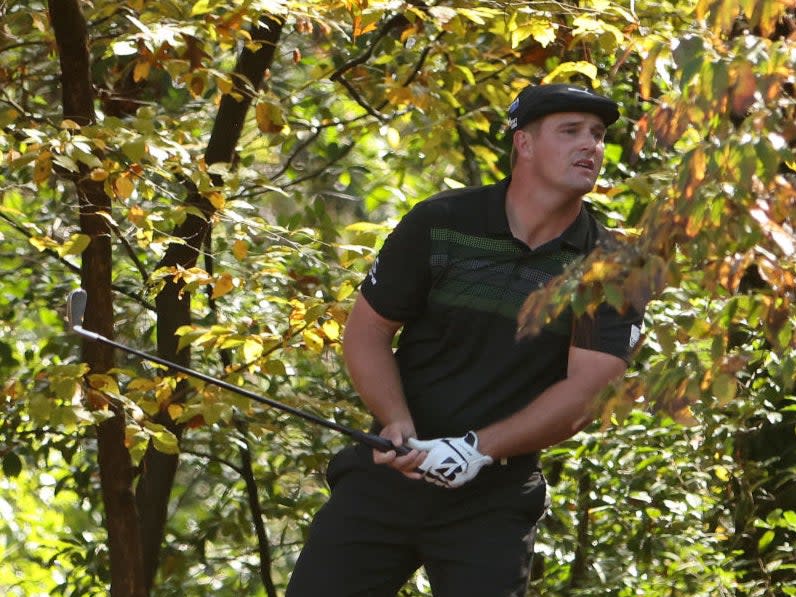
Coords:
451,461
406,463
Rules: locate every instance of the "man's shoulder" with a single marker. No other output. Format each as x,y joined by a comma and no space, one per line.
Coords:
462,201
462,196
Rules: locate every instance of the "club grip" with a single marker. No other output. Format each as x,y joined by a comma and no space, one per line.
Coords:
382,444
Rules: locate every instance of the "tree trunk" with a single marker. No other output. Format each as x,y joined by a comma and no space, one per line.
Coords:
173,305
115,466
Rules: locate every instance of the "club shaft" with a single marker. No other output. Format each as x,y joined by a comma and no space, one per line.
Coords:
374,441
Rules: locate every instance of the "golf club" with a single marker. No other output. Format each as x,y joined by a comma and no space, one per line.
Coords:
76,307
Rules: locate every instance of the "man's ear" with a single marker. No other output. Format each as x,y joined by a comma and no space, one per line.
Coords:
523,143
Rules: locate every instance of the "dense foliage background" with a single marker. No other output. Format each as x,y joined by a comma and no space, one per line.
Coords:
218,176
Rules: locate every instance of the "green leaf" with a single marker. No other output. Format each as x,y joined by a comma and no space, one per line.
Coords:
135,150
765,540
614,295
724,388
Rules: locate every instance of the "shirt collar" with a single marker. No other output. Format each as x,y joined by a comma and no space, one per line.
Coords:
578,236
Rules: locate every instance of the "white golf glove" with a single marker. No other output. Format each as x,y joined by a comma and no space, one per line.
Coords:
451,461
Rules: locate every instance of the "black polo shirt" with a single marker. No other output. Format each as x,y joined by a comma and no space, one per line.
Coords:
453,273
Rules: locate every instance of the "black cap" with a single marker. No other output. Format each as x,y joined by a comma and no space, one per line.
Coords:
536,101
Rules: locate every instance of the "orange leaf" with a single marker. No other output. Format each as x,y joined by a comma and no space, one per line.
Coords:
43,167
240,249
123,187
141,70
640,137
223,285
743,93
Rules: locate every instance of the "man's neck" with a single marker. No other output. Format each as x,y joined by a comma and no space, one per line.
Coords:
536,218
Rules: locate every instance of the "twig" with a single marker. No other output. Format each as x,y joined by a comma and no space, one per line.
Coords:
320,170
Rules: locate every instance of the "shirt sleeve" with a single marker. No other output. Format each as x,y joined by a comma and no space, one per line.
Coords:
398,283
609,331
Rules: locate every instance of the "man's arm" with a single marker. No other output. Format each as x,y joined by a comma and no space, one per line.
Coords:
367,349
559,412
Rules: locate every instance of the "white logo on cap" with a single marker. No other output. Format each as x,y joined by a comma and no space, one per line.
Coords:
578,90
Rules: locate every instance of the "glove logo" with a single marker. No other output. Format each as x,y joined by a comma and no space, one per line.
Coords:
451,461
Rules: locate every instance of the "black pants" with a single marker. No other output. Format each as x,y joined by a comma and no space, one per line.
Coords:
379,527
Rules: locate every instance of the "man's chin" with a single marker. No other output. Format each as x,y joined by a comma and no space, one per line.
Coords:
581,188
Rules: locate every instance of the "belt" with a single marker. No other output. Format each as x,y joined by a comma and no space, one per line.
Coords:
531,459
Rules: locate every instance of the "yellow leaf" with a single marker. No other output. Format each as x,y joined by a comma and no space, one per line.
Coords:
42,242
251,350
313,341
103,382
345,290
698,164
599,270
76,244
331,329
223,285
216,200
240,249
566,69
224,84
123,187
137,216
393,138
175,411
141,70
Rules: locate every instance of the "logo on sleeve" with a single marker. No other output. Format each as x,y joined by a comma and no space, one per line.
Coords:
372,272
635,334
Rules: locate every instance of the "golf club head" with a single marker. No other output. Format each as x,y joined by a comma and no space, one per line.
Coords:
76,307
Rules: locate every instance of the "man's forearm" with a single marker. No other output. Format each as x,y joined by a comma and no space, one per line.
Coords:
556,414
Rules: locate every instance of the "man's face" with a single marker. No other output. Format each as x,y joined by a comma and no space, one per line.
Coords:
567,151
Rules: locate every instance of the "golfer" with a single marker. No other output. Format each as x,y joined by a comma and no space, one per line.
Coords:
475,405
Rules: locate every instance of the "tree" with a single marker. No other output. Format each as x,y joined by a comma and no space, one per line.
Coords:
219,181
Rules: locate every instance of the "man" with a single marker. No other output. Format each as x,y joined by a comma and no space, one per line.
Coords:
471,406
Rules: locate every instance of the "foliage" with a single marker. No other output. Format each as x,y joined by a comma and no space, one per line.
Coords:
686,487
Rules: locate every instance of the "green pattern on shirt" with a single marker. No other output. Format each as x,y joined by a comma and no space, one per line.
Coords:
490,274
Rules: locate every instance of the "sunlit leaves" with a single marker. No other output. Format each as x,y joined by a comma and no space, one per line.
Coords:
697,168
564,71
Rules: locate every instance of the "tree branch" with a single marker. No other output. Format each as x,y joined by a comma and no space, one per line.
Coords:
257,513
323,168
